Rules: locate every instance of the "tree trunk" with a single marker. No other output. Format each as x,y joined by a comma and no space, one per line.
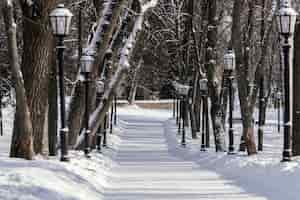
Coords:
214,82
22,143
122,68
99,43
36,64
134,83
193,108
241,42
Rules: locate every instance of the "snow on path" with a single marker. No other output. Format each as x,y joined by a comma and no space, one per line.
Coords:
145,169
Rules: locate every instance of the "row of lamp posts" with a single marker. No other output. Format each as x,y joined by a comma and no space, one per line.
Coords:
60,19
180,105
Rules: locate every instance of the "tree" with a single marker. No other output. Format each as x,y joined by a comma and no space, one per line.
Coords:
122,66
99,43
22,141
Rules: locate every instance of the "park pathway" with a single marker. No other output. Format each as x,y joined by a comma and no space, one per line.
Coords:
146,170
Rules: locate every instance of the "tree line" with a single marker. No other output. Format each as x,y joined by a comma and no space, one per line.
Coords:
182,40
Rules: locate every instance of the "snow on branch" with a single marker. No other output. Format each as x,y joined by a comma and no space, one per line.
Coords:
122,67
149,5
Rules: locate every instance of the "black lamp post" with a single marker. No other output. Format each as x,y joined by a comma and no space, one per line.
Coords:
179,114
177,109
260,115
229,60
286,20
184,91
204,93
278,102
115,110
104,130
100,91
86,69
174,104
111,117
60,19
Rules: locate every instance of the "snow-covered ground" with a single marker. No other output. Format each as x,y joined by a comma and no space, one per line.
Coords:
145,161
44,179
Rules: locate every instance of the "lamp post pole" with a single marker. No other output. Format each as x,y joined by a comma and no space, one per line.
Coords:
99,131
111,117
260,117
278,110
203,86
100,91
287,152
177,110
86,69
64,129
179,114
174,105
203,120
231,134
87,115
115,110
207,135
104,129
183,113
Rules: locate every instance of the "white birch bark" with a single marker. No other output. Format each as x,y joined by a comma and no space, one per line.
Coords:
122,67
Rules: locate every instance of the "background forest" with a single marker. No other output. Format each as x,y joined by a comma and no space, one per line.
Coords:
140,48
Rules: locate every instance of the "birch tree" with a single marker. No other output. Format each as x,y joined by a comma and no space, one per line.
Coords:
122,67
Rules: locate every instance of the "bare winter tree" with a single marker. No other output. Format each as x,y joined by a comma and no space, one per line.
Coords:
248,72
22,141
122,67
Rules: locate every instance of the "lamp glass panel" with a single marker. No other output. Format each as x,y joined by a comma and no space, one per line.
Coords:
68,25
228,62
285,24
61,27
293,23
203,85
53,21
86,64
100,86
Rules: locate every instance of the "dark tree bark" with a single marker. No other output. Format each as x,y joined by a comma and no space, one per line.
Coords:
22,143
242,61
36,63
212,73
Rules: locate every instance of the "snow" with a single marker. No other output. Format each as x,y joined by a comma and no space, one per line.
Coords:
47,178
148,5
146,161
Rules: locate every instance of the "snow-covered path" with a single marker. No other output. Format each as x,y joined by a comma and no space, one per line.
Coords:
146,169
